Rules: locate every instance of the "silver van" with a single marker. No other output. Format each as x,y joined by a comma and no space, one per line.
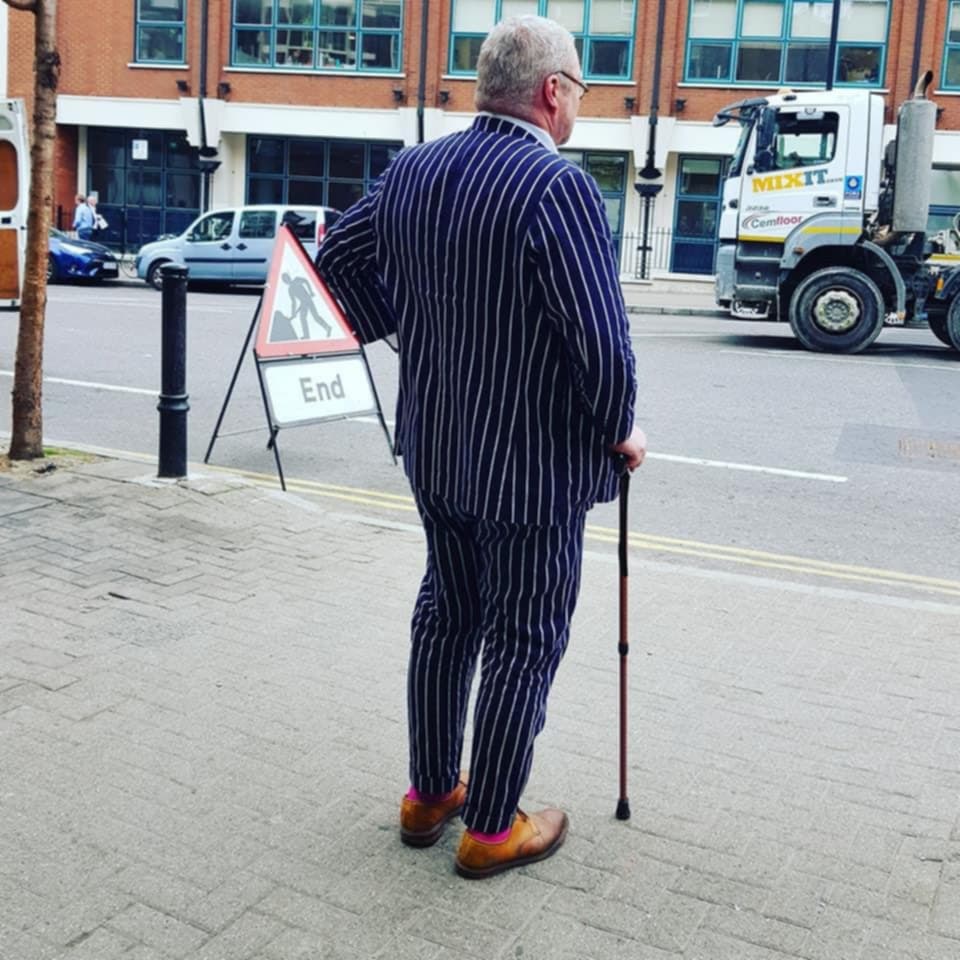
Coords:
234,245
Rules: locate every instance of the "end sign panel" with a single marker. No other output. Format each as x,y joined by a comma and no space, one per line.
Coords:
322,388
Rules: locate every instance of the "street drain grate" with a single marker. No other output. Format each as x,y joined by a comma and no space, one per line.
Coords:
928,448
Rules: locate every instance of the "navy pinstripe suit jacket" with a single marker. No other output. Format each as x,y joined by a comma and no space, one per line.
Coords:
491,258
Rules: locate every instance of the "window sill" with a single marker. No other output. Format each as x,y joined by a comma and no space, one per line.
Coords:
750,85
143,65
946,93
591,83
310,72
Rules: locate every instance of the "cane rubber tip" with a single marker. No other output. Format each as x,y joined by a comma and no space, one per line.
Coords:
623,809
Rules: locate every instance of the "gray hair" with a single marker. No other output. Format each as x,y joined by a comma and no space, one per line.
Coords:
515,58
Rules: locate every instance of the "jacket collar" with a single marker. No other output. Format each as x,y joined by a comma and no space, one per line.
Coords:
513,126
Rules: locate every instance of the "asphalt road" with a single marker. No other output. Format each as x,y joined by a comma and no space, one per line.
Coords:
766,461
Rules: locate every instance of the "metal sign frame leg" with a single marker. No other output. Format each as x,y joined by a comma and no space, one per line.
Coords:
274,429
376,397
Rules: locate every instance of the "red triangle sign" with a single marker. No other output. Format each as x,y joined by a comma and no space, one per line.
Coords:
298,315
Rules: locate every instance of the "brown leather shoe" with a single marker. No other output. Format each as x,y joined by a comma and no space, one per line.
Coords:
532,837
421,823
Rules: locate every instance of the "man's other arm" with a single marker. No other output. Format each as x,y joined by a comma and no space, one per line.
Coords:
347,263
581,288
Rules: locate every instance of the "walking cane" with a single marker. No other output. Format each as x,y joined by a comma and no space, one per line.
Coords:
623,804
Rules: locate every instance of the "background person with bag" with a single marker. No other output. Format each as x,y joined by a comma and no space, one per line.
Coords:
99,222
84,218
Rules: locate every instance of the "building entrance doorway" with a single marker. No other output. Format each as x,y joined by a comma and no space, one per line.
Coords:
147,183
697,213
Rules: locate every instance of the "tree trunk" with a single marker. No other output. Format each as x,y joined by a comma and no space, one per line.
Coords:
26,441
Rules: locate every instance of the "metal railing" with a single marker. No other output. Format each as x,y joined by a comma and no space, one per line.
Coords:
666,252
634,264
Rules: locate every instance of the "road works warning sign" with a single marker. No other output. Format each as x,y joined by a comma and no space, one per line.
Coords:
298,315
311,364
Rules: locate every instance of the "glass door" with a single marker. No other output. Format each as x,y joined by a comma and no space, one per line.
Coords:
697,213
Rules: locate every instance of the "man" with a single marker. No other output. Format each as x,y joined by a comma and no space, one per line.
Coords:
490,257
84,218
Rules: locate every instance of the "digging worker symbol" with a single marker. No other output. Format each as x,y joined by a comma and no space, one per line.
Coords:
302,308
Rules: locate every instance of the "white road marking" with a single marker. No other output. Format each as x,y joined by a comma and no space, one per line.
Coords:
145,304
669,457
945,367
668,336
749,467
92,385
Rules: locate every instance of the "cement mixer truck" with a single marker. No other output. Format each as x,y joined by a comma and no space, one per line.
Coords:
825,226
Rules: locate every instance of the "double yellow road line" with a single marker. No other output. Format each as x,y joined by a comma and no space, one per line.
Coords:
778,561
742,556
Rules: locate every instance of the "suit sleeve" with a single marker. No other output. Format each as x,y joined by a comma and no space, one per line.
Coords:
347,264
580,284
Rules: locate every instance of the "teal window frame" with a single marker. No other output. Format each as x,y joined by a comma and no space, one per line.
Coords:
584,39
590,160
307,164
142,23
783,41
309,34
951,50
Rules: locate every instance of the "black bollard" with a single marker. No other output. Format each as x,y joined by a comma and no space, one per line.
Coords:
174,402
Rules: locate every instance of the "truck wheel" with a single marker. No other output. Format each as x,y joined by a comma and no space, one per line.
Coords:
953,323
836,310
938,327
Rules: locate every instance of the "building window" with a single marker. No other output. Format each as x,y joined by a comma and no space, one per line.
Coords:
313,172
318,34
160,31
951,53
772,42
602,29
610,172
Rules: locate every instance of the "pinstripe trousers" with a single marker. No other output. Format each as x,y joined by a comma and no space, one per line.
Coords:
502,593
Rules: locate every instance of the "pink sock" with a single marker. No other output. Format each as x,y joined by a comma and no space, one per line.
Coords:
490,837
417,797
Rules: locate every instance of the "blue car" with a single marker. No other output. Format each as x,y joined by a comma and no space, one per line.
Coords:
72,259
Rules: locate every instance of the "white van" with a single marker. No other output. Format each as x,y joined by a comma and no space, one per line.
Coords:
235,245
14,197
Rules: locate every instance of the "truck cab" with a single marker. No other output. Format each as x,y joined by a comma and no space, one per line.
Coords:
824,227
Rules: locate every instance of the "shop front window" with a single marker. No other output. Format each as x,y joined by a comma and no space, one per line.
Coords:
147,183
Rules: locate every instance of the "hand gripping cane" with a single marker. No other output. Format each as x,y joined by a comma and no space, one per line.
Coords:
623,804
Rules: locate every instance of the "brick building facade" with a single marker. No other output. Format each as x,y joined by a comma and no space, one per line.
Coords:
169,107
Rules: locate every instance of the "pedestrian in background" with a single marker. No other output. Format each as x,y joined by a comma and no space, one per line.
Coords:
84,218
490,257
99,223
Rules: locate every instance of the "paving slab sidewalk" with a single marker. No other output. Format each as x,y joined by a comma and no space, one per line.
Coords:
202,750
672,297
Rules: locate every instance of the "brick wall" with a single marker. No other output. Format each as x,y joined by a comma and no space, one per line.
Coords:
96,42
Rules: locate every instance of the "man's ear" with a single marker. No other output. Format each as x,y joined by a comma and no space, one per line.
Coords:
549,89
